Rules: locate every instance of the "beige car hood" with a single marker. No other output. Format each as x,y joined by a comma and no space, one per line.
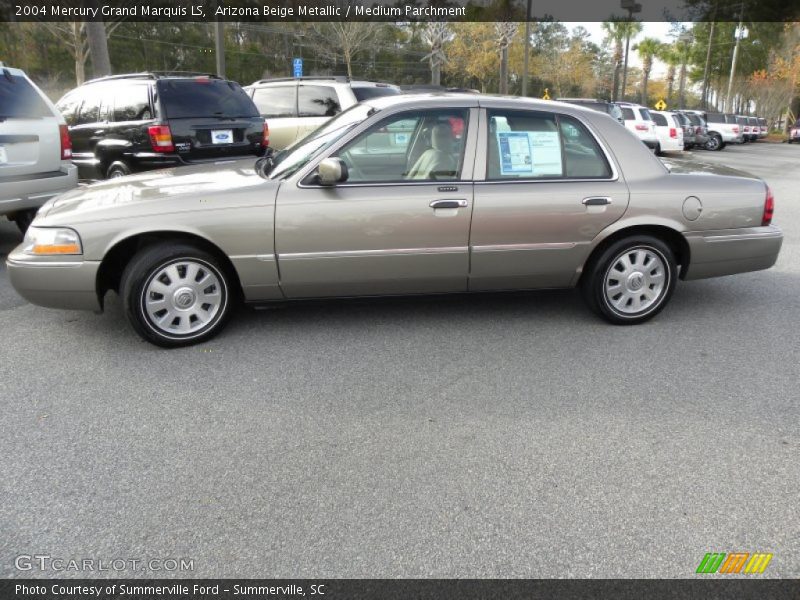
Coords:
166,190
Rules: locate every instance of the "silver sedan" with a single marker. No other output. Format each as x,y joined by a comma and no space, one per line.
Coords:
435,193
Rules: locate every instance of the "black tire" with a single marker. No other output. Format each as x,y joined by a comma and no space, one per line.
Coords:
117,169
24,218
598,270
658,151
140,274
714,143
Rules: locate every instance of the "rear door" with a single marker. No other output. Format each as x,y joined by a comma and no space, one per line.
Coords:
210,118
549,187
29,136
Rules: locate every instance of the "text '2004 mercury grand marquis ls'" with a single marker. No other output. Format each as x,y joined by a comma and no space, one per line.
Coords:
433,193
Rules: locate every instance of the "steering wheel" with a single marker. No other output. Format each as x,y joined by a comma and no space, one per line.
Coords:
353,171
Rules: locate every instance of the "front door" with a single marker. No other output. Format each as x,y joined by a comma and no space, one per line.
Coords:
398,225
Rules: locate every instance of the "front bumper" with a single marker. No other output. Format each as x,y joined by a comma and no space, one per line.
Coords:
728,251
68,282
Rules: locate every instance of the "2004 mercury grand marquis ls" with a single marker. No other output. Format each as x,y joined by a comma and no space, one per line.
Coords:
402,195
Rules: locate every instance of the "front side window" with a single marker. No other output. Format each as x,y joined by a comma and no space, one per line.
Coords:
276,101
89,111
538,145
68,106
412,146
317,101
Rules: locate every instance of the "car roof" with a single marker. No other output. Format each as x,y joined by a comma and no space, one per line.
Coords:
446,99
329,79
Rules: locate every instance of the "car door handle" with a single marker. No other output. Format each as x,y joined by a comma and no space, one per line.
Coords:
460,203
596,201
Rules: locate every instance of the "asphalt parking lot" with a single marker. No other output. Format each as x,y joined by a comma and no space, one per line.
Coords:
510,435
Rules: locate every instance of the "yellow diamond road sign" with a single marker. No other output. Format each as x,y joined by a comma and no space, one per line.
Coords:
661,105
546,94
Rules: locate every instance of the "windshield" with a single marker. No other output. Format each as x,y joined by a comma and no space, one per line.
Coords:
287,162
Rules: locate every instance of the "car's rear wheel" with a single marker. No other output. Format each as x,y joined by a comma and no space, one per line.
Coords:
24,218
176,294
631,280
117,169
714,143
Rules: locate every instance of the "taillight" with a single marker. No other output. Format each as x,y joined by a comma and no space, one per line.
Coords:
769,208
161,138
265,136
672,132
642,127
66,143
698,130
735,130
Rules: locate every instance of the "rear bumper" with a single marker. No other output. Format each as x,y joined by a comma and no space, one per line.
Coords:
65,284
729,251
17,193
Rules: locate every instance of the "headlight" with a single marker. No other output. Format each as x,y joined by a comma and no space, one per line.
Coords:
48,241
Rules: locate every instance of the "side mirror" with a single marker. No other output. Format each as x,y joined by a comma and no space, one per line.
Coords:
331,171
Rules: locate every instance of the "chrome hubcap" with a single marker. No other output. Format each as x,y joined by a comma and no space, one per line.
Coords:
182,297
636,281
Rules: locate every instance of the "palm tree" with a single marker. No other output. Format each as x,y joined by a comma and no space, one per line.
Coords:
669,54
648,48
615,34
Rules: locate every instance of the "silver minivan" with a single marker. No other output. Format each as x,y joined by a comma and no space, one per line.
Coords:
35,149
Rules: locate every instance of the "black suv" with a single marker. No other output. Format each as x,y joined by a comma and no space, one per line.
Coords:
127,123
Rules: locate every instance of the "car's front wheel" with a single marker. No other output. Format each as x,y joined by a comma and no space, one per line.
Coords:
176,294
631,280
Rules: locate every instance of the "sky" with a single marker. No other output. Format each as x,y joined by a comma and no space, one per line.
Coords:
658,30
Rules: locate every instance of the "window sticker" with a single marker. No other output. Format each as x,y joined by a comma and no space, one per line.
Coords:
529,153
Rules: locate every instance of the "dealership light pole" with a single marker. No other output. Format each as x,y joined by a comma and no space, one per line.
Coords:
632,7
740,33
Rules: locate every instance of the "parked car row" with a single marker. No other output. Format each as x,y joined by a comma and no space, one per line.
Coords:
669,131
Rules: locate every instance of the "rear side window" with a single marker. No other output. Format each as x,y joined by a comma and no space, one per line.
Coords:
132,103
645,114
277,101
731,119
715,118
202,97
627,114
660,120
534,145
19,99
367,93
317,101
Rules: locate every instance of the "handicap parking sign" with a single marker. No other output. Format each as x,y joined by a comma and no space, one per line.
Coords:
297,67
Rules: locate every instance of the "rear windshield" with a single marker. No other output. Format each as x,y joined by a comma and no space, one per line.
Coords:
730,119
614,111
660,120
627,114
201,97
715,118
19,99
645,114
367,93
753,121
